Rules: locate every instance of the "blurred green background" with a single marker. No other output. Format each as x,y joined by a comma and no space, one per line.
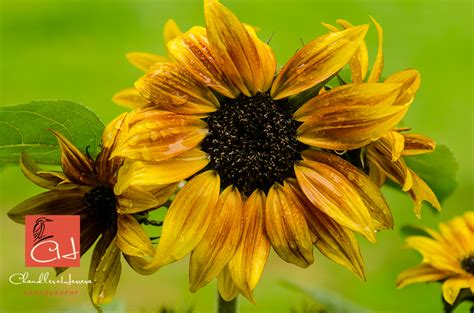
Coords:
74,50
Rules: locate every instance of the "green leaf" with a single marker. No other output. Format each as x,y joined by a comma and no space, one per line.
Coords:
412,230
325,300
438,169
24,127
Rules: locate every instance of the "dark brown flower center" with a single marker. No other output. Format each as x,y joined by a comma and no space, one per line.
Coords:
101,204
252,142
467,264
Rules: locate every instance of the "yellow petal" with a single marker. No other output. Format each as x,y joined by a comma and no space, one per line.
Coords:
317,61
140,198
378,64
132,238
138,264
334,194
420,192
232,47
452,286
187,218
286,227
418,144
220,242
247,264
64,202
359,63
226,286
155,135
396,141
138,173
410,80
334,241
171,87
48,180
421,274
192,51
365,187
130,98
143,60
77,167
104,270
171,30
376,174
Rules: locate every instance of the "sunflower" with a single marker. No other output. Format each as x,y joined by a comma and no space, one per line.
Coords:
260,165
385,156
85,187
448,257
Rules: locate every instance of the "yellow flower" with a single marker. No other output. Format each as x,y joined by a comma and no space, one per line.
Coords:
85,187
259,172
448,257
385,156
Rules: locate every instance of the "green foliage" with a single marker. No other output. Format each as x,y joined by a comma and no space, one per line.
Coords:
24,127
438,169
412,230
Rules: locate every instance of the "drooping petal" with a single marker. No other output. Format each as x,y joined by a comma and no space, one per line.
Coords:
410,80
420,192
130,98
379,59
77,167
226,286
144,60
232,47
171,87
418,144
140,198
335,195
132,238
376,174
396,141
138,173
220,242
365,187
247,264
155,135
192,51
48,180
359,63
64,202
334,241
350,95
138,264
188,218
421,274
104,270
452,286
317,61
286,226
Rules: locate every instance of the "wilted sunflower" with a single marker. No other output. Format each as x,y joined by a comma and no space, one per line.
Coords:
384,157
448,257
260,171
85,187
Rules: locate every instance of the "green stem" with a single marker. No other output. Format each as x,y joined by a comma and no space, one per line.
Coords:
226,307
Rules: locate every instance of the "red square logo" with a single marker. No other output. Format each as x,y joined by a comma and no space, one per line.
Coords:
52,240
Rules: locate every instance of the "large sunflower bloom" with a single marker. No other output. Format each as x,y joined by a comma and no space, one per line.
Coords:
85,187
448,257
259,173
385,156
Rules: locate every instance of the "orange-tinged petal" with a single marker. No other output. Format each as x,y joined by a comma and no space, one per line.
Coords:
192,51
141,173
286,226
143,60
350,95
421,274
452,286
140,198
317,61
365,187
420,192
232,47
132,238
247,264
171,87
359,63
155,135
171,30
130,98
226,286
334,194
220,242
187,218
410,80
376,174
77,167
379,59
418,144
396,141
